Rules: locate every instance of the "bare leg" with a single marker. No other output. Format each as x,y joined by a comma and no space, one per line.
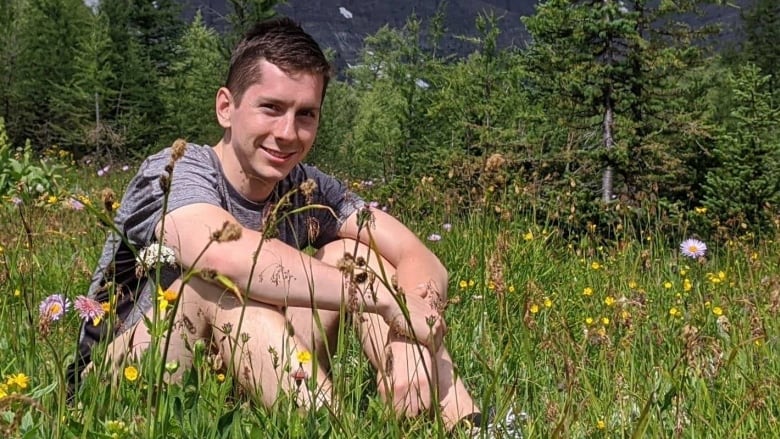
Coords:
259,346
403,368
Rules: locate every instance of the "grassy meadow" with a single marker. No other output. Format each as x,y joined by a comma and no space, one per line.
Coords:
590,338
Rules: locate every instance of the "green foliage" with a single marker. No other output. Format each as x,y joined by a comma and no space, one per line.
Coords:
188,92
761,24
744,186
22,174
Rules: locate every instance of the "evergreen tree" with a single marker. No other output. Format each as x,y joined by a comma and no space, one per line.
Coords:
616,76
52,29
762,33
11,51
80,100
244,14
195,75
744,187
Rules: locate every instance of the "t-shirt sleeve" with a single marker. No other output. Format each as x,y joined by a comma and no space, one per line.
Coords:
193,181
332,193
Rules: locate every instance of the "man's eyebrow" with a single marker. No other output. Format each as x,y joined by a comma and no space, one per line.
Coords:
282,102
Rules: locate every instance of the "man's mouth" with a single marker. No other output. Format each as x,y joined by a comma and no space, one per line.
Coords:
277,154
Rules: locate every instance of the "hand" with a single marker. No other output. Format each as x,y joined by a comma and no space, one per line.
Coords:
424,324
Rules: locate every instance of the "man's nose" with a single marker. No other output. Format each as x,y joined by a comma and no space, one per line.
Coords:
285,127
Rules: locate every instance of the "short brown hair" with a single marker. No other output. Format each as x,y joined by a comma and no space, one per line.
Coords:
283,43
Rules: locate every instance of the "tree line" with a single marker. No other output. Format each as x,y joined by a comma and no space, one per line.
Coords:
613,106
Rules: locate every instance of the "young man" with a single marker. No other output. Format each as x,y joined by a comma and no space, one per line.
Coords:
216,208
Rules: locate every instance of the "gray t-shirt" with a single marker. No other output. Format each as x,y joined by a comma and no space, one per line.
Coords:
198,178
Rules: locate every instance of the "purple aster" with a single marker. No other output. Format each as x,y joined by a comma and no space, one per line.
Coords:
374,204
16,200
75,204
53,307
88,309
693,248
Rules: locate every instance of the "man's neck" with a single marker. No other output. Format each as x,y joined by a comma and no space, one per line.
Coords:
251,189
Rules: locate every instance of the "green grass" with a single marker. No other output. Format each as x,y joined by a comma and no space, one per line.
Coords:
615,363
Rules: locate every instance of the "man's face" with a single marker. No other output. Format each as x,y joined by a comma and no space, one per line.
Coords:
274,126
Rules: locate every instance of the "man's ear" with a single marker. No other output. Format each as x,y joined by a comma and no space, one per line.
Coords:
224,107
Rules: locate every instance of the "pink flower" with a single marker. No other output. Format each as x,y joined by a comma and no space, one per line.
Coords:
434,237
88,309
75,204
693,248
53,307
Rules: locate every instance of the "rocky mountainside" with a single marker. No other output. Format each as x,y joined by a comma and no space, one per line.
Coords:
343,24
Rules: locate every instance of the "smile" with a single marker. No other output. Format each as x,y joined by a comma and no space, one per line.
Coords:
277,154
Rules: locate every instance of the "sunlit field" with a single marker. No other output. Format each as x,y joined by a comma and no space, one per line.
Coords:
583,336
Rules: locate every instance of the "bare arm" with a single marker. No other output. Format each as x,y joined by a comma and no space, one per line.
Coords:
417,268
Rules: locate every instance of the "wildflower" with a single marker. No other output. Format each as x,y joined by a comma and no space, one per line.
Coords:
16,201
116,428
687,285
17,292
89,309
106,307
373,204
534,308
700,210
155,253
52,199
3,391
588,291
589,321
632,285
605,321
463,284
471,282
304,357
177,149
434,237
718,311
125,168
131,373
600,424
165,298
19,380
75,204
220,377
53,307
447,227
491,286
595,265
667,285
528,236
674,312
511,289
693,248
299,375
547,302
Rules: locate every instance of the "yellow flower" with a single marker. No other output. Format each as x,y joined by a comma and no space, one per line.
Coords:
632,285
625,315
600,424
588,291
667,285
528,236
304,356
687,284
700,210
463,284
52,199
491,286
3,391
106,307
683,272
547,302
471,282
19,380
754,256
17,292
674,312
721,275
595,265
534,308
609,301
605,321
220,377
165,298
589,321
511,289
131,373
718,311
115,206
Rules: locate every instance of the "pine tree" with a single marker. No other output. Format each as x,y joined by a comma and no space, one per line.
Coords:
762,33
195,75
617,76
